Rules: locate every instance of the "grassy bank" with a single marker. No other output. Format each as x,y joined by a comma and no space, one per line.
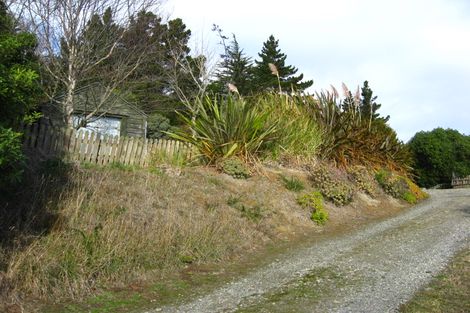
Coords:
80,232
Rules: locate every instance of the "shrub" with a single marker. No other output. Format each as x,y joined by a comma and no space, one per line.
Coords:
399,187
332,188
353,137
11,157
409,197
234,167
222,128
297,135
292,183
157,125
363,179
439,154
314,202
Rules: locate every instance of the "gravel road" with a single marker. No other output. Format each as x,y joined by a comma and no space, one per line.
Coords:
376,268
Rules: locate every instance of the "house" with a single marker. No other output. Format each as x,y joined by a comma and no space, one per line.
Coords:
111,114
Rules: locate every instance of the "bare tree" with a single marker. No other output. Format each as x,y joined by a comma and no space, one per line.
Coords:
73,52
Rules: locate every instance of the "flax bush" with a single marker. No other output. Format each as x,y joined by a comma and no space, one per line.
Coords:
224,127
298,135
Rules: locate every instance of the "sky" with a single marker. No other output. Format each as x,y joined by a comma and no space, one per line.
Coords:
414,53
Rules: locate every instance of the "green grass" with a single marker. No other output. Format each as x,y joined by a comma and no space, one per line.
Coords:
292,183
299,296
449,292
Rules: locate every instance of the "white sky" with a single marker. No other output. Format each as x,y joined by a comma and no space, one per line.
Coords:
414,53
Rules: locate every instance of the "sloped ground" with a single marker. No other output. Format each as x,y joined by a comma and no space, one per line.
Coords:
373,269
90,230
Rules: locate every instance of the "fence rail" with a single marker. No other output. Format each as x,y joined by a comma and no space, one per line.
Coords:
86,146
461,182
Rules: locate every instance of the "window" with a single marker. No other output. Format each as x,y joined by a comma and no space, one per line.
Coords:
105,125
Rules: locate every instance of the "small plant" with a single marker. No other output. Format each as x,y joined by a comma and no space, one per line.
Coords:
314,202
161,157
235,168
409,197
363,179
254,214
399,187
292,183
332,188
122,167
233,200
319,216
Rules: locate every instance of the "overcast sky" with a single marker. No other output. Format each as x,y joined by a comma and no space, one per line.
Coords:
414,53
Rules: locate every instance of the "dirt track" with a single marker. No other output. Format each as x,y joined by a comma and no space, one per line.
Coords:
373,269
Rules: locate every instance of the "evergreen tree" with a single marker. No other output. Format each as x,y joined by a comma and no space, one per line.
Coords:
368,105
236,69
266,77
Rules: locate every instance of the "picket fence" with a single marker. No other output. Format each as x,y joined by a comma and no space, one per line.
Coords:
90,147
461,182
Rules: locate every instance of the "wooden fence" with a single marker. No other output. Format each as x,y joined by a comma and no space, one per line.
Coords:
90,147
461,182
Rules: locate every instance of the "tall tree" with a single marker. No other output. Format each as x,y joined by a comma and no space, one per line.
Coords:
18,91
236,69
438,155
18,70
69,59
369,106
281,76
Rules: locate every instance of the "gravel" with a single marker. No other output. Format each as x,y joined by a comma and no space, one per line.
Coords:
385,263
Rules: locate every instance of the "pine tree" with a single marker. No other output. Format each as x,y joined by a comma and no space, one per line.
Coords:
368,106
282,76
236,69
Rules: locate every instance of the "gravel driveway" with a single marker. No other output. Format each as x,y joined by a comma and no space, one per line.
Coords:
373,269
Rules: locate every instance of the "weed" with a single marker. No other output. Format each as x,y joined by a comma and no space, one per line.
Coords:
235,168
292,183
122,167
233,200
314,202
162,157
254,214
409,197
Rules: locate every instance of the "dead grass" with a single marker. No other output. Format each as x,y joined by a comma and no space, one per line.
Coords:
110,227
113,226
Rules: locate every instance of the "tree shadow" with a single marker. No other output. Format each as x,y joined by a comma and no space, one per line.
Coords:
27,209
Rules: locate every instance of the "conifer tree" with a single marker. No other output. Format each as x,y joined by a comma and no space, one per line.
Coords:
368,106
282,76
236,69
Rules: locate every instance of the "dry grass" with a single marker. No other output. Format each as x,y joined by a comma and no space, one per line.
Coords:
114,227
85,230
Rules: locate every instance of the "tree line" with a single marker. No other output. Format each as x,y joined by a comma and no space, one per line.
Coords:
51,49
